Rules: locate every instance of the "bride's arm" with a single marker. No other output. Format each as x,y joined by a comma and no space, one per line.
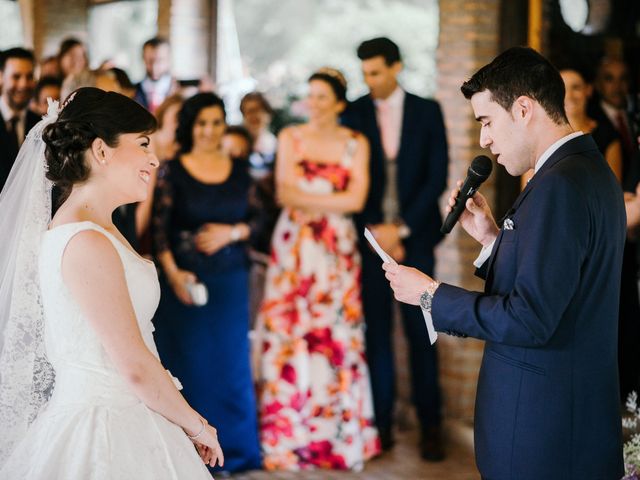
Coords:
94,274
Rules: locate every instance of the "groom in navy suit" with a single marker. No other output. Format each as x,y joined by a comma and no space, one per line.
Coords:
547,404
408,173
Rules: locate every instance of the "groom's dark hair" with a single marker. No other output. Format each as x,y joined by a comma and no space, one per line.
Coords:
520,71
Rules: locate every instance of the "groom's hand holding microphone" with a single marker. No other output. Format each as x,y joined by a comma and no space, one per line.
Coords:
465,205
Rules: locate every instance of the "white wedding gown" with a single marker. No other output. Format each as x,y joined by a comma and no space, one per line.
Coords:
94,426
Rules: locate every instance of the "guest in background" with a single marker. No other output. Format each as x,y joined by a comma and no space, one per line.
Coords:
408,170
158,83
72,57
163,140
16,72
577,93
237,142
126,88
315,398
49,67
200,229
612,85
256,114
104,80
609,106
47,87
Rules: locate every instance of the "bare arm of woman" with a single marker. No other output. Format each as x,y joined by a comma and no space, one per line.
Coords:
94,274
613,156
349,201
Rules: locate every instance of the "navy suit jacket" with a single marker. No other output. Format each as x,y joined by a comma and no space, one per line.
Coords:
547,405
8,154
421,171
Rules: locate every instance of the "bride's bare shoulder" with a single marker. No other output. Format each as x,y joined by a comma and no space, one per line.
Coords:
91,252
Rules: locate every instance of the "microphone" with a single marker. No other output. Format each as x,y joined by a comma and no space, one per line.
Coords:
478,172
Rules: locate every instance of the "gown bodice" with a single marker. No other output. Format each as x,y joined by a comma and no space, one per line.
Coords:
83,368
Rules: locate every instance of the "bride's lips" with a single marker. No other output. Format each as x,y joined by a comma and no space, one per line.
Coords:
145,176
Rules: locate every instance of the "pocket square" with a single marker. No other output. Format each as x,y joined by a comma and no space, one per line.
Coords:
508,224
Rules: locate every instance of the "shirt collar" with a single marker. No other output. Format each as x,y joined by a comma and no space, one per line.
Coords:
8,113
163,83
611,111
396,99
552,149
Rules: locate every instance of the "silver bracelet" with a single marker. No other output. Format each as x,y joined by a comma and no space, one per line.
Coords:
199,433
235,233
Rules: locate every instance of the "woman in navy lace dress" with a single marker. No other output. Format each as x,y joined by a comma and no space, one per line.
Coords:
201,229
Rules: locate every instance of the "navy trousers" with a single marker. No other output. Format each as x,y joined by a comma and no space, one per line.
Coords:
423,359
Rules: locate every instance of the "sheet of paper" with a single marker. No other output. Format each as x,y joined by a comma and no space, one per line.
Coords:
381,253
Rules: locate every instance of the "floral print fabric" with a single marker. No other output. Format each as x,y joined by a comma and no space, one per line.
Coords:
314,392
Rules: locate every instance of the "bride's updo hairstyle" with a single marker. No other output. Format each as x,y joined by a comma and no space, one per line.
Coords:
89,113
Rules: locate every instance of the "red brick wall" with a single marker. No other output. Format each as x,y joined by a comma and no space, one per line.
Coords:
469,36
55,20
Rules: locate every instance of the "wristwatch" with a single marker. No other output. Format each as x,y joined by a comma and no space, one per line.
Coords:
404,231
235,233
427,297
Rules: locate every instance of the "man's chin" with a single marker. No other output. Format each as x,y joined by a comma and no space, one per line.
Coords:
18,106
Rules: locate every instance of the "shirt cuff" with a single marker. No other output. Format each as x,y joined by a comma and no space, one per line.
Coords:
485,253
433,335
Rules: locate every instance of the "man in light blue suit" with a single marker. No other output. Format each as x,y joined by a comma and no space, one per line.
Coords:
547,405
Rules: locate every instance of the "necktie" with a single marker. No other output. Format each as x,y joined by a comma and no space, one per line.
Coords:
625,136
14,143
388,136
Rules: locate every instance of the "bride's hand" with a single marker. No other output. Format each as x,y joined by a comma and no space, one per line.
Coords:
208,447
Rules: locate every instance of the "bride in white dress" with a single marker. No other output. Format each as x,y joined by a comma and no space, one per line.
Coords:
83,394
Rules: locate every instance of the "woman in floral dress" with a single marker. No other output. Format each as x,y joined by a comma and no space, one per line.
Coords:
314,392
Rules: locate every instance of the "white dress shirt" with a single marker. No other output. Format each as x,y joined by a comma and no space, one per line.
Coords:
8,114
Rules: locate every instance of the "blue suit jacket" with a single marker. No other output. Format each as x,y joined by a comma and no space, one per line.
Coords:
421,171
547,405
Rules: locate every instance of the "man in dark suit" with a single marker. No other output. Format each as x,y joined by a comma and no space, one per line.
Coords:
408,171
158,83
16,72
547,404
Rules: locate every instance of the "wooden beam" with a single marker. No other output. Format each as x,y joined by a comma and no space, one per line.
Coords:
535,24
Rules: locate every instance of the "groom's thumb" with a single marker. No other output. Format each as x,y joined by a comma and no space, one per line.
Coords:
472,206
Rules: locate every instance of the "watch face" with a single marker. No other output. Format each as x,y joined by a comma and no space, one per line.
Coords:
425,300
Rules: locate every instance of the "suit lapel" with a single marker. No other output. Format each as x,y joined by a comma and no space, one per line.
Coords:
574,146
372,124
402,163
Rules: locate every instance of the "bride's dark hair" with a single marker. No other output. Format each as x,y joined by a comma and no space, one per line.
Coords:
89,113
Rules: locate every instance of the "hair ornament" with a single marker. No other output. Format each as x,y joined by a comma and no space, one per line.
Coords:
333,73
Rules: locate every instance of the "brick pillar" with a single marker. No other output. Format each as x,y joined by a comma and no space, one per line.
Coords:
469,36
191,37
55,20
164,18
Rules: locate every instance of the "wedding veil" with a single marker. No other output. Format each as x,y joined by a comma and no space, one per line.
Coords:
26,377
